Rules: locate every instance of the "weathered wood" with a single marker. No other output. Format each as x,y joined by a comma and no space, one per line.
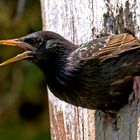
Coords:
79,21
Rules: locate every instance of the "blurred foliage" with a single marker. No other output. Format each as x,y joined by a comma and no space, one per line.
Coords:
21,82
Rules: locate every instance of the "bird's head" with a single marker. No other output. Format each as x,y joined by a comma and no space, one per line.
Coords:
39,47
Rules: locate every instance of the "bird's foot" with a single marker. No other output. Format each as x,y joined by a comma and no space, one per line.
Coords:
134,97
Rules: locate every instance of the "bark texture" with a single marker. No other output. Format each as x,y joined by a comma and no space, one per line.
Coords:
79,21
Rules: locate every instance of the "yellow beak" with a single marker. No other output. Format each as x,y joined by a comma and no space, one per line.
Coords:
16,42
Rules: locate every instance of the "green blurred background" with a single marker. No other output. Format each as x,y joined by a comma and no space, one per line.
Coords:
23,95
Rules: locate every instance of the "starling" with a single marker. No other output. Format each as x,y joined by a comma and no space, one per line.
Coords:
96,75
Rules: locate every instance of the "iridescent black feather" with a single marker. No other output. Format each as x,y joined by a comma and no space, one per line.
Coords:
96,75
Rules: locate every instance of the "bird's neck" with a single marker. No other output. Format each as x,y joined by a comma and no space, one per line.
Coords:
58,78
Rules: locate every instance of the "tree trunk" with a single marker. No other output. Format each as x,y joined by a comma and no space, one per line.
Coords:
80,21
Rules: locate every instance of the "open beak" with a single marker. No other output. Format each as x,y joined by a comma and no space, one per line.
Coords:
28,53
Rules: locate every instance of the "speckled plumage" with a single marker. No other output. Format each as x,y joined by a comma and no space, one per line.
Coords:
97,75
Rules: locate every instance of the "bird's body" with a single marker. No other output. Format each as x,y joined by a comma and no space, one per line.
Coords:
96,75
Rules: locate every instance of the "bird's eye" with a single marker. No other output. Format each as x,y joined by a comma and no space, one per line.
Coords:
29,40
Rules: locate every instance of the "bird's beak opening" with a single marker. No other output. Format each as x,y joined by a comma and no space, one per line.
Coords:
28,53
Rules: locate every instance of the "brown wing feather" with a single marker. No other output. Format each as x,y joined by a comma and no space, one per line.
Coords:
116,45
103,48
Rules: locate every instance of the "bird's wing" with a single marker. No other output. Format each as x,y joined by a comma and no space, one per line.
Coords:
107,47
116,45
104,48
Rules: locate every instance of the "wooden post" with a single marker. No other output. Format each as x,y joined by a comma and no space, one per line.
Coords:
79,21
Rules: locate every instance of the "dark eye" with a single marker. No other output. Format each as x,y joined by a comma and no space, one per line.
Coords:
29,40
34,41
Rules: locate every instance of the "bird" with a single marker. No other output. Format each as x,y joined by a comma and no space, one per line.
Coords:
98,74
